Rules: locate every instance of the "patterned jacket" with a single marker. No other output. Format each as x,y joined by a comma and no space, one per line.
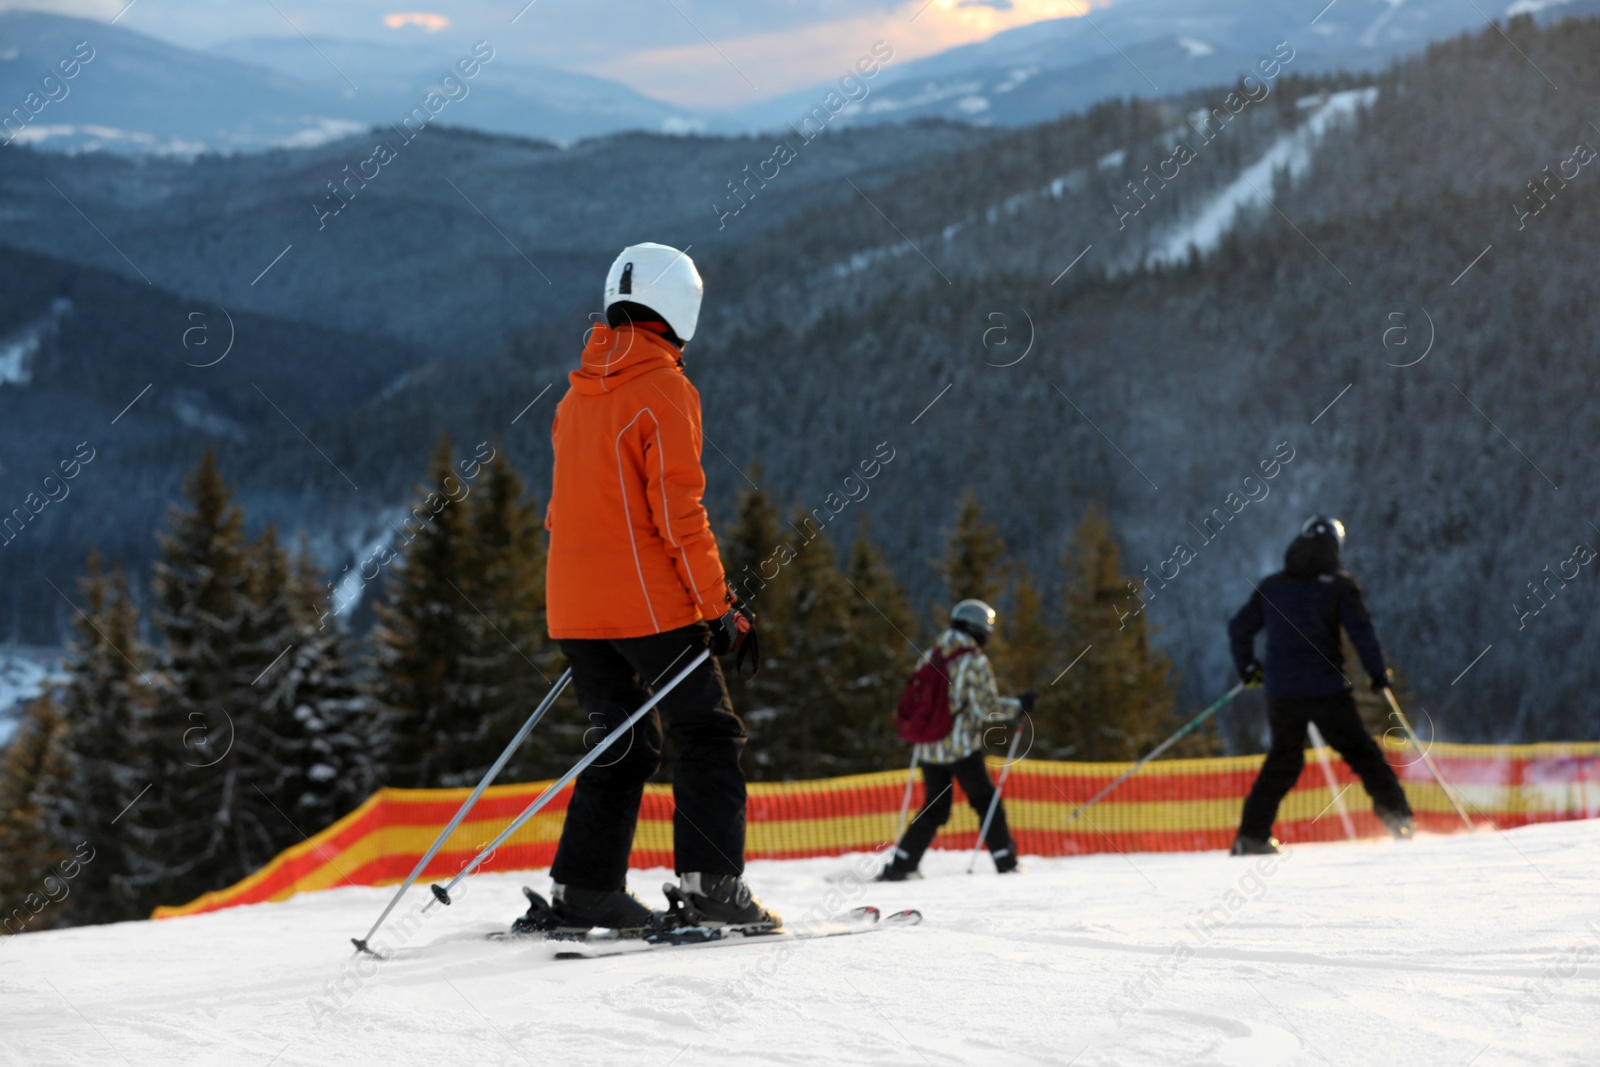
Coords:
975,702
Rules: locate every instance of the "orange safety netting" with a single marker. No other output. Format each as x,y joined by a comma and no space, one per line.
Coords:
1169,806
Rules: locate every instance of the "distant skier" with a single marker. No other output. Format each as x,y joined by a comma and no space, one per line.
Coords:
974,705
634,589
1302,608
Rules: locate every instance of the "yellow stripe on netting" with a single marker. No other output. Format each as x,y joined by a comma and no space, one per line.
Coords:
1201,766
1502,753
847,784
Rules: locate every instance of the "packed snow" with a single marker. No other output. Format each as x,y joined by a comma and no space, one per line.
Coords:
1475,948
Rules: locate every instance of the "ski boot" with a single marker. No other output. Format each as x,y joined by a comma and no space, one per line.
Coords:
1398,824
1005,862
572,912
718,901
892,873
1253,846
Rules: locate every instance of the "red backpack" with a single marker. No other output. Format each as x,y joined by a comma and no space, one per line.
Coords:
923,714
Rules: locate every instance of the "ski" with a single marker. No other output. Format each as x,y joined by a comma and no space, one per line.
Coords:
857,921
849,922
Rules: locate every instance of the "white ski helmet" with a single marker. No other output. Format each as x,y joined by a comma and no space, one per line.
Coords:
661,278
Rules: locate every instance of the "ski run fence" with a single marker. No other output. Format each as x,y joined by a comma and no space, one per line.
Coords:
1169,806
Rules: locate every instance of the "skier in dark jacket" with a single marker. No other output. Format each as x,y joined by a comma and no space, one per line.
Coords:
1302,608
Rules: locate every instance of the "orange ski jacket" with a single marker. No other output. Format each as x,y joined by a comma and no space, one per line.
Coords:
631,549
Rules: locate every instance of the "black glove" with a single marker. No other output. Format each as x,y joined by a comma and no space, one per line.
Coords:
1383,681
1027,700
1252,675
735,633
727,632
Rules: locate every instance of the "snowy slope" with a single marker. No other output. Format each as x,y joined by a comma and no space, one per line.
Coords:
1337,954
1290,155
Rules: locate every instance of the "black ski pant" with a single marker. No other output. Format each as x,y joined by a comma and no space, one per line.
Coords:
936,803
1337,718
613,678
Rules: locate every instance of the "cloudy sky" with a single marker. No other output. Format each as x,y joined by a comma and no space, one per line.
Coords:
697,53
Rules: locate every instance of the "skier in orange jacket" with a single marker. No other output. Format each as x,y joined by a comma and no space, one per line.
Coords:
634,589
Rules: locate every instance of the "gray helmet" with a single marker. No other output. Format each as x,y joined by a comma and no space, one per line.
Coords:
974,615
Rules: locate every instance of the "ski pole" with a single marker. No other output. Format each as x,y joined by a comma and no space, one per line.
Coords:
994,801
494,771
1327,772
442,893
1168,743
1449,793
905,803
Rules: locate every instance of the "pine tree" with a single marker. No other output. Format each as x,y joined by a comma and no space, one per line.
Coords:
266,751
329,756
756,557
812,734
1117,701
104,708
306,737
31,767
973,568
1024,657
516,663
972,557
431,727
876,660
201,826
749,548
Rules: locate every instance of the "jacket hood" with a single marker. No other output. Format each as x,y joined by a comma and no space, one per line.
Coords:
615,356
1309,556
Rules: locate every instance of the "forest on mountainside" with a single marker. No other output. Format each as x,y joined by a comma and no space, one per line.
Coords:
1463,332
242,715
